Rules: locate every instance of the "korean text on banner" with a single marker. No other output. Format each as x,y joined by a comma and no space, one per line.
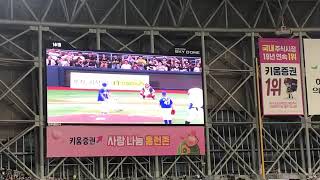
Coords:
280,76
312,65
92,141
80,80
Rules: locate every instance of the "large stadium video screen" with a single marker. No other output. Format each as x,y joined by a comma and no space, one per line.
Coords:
95,87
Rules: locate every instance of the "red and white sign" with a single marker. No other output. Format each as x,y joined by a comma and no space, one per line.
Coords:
280,76
93,141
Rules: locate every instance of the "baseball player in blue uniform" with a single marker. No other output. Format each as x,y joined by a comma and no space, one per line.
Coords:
103,97
166,105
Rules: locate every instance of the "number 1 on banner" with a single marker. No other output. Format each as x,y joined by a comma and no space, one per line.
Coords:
274,86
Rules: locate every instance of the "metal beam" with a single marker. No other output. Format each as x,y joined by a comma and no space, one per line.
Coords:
195,15
10,40
87,171
143,28
142,167
109,12
305,119
310,13
103,41
168,41
41,106
229,94
290,12
222,160
117,40
11,9
284,151
194,165
56,167
164,28
132,41
234,151
171,166
291,163
270,13
259,14
90,13
20,164
283,9
226,20
293,17
19,99
12,52
258,119
74,8
17,82
238,13
183,12
30,10
117,167
228,103
171,13
207,130
125,11
139,13
47,10
316,167
65,9
228,49
224,60
16,138
77,11
214,13
158,13
80,37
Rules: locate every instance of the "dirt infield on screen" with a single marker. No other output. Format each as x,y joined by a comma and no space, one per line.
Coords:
81,106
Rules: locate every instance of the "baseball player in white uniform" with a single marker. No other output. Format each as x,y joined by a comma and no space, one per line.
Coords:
196,112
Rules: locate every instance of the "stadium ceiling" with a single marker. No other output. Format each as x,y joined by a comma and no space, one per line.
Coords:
166,15
225,30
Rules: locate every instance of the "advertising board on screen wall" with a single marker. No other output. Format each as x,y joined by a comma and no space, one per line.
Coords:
86,141
280,76
116,88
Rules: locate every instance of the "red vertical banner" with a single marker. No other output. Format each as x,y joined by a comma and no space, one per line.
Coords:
280,76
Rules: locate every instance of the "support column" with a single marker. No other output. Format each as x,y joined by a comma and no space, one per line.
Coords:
303,159
35,94
251,107
101,162
152,41
156,158
41,118
258,124
207,125
306,119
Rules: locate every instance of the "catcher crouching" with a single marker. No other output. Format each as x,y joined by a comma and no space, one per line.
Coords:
147,92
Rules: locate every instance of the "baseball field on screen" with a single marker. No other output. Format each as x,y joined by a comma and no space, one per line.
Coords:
67,105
